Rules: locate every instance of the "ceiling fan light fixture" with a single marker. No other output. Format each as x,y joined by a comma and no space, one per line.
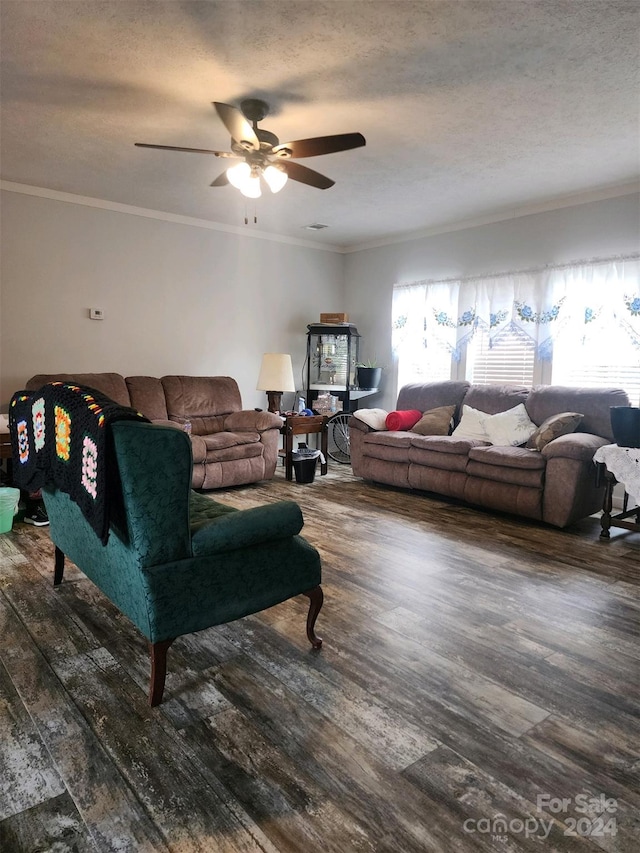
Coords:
251,187
275,177
239,174
244,178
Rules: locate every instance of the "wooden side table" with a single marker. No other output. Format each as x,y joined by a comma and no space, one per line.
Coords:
619,519
618,465
300,425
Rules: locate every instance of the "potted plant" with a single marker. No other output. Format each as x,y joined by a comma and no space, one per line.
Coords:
369,374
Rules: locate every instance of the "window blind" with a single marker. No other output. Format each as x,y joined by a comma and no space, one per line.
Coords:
613,363
509,362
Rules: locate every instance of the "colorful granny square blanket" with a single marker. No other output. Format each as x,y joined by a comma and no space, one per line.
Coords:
61,437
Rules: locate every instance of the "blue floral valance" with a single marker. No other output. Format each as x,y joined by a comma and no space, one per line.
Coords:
577,300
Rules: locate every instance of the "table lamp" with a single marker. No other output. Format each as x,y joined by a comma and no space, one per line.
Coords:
276,372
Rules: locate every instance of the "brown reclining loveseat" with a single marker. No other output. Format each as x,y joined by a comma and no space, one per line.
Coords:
230,446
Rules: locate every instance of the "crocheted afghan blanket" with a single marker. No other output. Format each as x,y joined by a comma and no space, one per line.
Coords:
61,437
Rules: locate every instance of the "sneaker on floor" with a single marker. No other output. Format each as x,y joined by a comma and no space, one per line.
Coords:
38,518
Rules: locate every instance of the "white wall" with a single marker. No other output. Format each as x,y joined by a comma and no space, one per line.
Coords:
598,229
177,299
183,299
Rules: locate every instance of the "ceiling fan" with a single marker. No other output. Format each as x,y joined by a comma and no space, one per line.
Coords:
261,153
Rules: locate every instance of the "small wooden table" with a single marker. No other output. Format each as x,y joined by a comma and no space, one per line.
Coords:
300,425
618,465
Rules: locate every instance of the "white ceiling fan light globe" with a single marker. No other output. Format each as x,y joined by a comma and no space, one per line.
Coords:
275,177
238,174
251,187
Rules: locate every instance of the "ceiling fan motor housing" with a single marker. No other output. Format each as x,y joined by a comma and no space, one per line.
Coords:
254,110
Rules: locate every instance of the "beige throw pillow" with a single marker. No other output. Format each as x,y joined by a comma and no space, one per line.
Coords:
435,421
554,426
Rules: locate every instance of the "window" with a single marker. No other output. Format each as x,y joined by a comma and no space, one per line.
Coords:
611,360
426,364
509,361
419,359
576,324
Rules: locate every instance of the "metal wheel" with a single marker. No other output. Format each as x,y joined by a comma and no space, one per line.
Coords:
338,446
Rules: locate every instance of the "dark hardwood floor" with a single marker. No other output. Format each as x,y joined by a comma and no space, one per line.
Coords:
477,689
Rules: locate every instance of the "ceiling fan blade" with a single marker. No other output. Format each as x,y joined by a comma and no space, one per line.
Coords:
238,126
178,148
321,145
306,176
221,181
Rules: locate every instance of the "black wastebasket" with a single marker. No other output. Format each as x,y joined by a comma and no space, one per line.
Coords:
625,424
304,465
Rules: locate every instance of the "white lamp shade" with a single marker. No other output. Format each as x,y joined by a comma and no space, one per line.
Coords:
275,177
241,177
238,174
251,187
276,373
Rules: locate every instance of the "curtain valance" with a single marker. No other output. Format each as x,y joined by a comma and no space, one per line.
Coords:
577,300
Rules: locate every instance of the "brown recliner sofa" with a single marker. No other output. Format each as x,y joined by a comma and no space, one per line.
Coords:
556,485
230,445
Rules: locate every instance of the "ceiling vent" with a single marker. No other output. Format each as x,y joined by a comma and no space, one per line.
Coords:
315,226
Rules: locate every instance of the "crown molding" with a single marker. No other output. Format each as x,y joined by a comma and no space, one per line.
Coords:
490,219
503,216
87,201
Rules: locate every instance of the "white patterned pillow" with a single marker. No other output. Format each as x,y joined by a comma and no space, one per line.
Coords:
510,428
472,424
373,418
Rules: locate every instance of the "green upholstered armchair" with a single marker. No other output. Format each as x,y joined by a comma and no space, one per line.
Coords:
177,561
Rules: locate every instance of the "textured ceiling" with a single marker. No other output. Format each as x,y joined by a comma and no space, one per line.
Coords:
469,108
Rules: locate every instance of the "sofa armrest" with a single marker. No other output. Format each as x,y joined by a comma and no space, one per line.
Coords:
356,423
162,422
248,527
570,490
577,445
251,421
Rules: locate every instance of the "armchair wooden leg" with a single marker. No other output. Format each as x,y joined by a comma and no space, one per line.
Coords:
316,597
158,670
58,570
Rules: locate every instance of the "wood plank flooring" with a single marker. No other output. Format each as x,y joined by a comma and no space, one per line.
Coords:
472,664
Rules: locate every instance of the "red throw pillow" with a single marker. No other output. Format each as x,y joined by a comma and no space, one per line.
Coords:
403,420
